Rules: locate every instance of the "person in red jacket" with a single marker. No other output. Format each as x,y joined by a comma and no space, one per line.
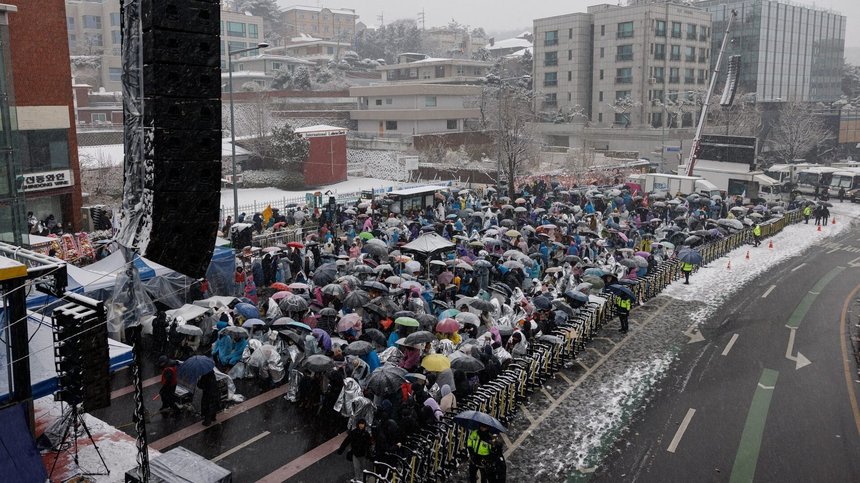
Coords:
168,386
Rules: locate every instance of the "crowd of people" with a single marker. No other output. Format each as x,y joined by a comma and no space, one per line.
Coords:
388,319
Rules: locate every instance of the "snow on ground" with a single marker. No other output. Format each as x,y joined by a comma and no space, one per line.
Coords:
264,195
117,448
790,242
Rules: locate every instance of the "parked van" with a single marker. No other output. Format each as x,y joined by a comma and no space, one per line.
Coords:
848,178
811,178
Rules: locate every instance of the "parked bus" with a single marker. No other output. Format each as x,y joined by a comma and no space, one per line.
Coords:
811,178
848,178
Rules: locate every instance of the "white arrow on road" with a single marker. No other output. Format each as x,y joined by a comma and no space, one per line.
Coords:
854,263
693,333
800,360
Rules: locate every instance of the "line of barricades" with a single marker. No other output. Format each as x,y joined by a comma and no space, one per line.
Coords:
435,454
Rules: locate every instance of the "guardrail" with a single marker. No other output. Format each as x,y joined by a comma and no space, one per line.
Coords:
435,454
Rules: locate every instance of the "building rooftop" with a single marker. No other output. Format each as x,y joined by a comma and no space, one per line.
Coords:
510,44
340,11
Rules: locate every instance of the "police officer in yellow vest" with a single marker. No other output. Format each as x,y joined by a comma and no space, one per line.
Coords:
622,305
807,212
480,444
687,268
757,235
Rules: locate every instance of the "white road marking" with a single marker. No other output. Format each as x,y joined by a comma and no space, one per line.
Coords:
730,344
798,267
770,388
548,395
241,446
681,429
768,291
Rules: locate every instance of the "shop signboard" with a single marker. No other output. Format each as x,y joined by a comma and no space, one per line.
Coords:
47,180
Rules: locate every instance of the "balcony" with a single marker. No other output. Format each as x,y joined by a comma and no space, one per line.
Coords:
675,57
674,79
691,36
660,33
689,80
623,57
676,35
550,83
550,42
550,63
624,80
690,58
659,80
659,55
701,81
624,34
703,59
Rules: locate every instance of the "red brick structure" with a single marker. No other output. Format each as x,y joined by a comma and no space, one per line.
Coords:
43,100
326,161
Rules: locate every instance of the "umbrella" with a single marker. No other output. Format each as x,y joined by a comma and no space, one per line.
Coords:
406,322
596,272
356,298
689,255
366,235
376,309
628,262
640,261
300,325
576,296
280,286
733,224
468,318
319,363
281,323
295,245
250,323
246,310
512,233
481,305
386,380
447,313
323,337
622,291
194,368
362,269
325,274
333,290
445,277
436,363
467,363
447,326
375,335
373,285
279,295
513,264
376,250
474,419
427,321
418,338
188,329
359,348
233,329
293,303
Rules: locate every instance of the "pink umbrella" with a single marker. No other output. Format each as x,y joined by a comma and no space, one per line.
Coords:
349,321
643,254
448,326
279,295
622,236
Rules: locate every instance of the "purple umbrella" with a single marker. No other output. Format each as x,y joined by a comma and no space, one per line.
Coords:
323,337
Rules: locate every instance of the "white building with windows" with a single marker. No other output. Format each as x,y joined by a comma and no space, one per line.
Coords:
261,70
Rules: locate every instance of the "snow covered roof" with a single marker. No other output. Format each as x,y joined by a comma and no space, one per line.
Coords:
510,44
111,155
341,11
245,73
519,53
284,58
321,129
524,35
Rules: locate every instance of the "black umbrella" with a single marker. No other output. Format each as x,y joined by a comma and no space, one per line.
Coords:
376,249
386,379
542,303
281,323
361,268
356,298
359,348
325,274
688,255
373,285
319,363
404,313
376,309
293,303
481,305
376,336
622,291
467,363
427,321
420,337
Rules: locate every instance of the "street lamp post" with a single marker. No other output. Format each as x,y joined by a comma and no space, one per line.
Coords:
230,54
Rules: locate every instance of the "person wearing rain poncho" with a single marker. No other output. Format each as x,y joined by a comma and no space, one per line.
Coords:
229,348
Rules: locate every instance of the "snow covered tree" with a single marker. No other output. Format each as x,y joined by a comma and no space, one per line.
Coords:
283,80
797,131
287,146
301,80
506,113
388,41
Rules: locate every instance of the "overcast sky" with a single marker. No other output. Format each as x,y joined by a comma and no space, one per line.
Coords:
496,15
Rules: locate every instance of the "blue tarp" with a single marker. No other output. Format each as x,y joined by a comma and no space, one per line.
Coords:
19,459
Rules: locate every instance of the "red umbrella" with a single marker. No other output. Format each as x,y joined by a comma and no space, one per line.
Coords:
295,245
280,287
448,326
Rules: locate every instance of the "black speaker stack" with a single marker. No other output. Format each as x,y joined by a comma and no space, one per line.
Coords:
181,56
81,353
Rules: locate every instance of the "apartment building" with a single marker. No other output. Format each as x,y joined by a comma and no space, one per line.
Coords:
94,40
261,70
420,69
562,62
645,57
788,51
319,22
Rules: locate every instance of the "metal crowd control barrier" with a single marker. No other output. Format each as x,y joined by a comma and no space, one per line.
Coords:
433,455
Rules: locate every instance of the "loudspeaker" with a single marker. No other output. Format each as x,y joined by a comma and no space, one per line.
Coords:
202,16
81,353
733,75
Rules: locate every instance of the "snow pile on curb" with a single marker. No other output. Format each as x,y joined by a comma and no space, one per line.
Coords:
264,195
714,284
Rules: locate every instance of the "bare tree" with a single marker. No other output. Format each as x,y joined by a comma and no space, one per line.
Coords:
624,106
101,177
253,120
515,134
797,131
742,118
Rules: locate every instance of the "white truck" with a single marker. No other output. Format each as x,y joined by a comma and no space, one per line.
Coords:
674,184
751,185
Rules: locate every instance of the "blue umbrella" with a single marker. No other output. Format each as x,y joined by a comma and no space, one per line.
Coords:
597,272
300,325
576,296
473,419
194,368
248,311
688,255
622,291
252,323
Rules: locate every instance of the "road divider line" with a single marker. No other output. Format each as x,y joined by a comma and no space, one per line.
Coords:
547,394
304,461
241,446
806,302
768,291
730,344
746,459
798,267
566,379
681,430
846,364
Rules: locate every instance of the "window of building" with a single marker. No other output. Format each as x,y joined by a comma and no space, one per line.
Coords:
673,96
659,51
569,76
599,117
676,30
44,149
691,31
70,23
115,37
690,54
703,76
660,29
622,118
602,30
92,22
601,74
687,119
624,76
550,79
252,31
277,66
114,19
94,40
568,96
233,46
675,52
330,50
657,95
550,59
600,96
702,57
689,76
451,124
569,55
389,101
625,30
391,125
601,52
551,99
551,38
619,95
656,119
659,74
379,102
98,117
703,32
624,53
235,29
430,101
73,40
569,33
674,75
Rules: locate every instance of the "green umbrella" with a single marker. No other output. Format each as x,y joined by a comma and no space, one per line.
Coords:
366,235
406,322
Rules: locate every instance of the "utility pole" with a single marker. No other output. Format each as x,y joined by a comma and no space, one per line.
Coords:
381,19
421,19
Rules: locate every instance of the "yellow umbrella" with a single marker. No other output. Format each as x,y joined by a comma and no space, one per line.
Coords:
512,233
436,363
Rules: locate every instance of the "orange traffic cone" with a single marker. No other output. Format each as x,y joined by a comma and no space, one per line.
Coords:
834,220
819,227
729,266
748,255
770,244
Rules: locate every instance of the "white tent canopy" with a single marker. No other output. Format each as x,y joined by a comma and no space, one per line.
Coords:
428,244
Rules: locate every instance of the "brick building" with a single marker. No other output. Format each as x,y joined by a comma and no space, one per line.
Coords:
46,147
326,161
